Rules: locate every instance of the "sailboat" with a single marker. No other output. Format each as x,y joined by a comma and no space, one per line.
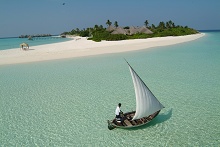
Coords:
147,106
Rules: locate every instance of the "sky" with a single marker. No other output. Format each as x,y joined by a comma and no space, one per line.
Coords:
31,17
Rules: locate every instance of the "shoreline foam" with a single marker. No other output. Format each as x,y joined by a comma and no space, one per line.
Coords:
80,46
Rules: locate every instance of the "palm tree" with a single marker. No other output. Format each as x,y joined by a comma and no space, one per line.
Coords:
171,24
77,30
168,25
101,27
116,24
161,25
146,23
153,26
96,27
109,23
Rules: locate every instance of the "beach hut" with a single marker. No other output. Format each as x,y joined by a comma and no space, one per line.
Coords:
110,28
144,30
30,38
133,30
24,46
130,31
119,30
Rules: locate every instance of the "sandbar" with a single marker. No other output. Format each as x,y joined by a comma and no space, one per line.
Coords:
80,46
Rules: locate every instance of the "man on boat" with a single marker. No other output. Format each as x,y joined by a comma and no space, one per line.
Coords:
118,114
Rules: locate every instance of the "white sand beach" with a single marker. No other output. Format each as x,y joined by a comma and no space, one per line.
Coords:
80,46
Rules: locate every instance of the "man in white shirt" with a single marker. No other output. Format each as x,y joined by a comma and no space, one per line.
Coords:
117,113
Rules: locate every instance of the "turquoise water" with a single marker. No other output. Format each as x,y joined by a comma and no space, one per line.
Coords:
9,43
68,102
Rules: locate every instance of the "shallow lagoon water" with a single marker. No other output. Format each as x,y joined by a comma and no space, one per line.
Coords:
10,43
68,102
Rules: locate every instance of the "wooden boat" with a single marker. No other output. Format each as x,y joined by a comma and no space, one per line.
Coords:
147,106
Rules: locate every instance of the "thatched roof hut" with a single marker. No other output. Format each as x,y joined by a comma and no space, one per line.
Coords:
119,30
110,28
132,30
145,30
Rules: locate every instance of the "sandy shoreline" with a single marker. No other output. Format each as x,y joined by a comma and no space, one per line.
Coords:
79,47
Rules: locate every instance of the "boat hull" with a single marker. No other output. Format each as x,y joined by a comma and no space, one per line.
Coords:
129,123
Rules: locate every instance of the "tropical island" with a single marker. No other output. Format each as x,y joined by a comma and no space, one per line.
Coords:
99,40
114,33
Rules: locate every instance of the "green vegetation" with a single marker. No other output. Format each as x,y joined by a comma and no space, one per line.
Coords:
98,33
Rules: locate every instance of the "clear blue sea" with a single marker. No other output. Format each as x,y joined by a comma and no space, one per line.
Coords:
68,102
9,43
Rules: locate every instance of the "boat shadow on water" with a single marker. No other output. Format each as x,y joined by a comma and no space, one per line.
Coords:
157,120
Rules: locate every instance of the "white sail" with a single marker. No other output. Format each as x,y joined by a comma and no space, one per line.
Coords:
146,102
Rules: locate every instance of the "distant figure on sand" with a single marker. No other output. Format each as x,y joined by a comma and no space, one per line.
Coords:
24,46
